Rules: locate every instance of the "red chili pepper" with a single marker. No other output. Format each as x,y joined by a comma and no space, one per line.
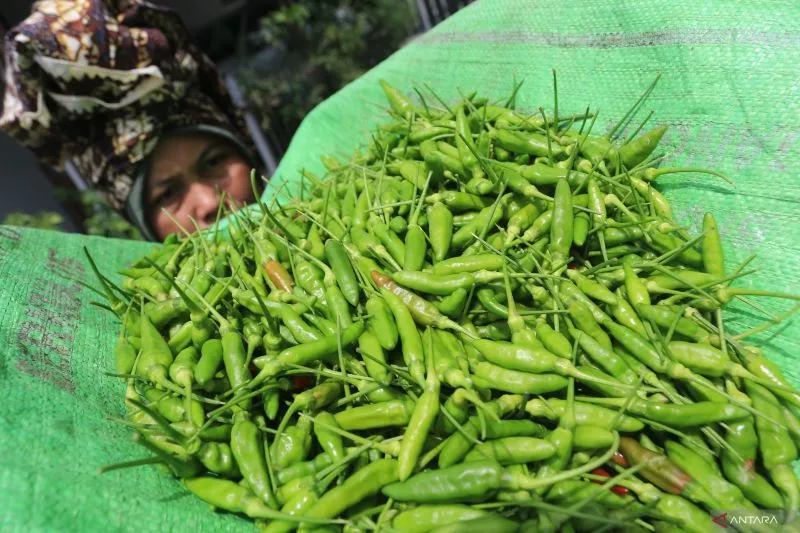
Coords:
657,468
616,489
573,266
620,460
279,275
302,381
253,369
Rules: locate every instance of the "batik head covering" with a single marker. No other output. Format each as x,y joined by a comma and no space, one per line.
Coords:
98,82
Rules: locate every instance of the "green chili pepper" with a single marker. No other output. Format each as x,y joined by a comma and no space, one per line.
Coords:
591,437
365,482
440,230
304,354
580,228
181,337
530,143
569,293
234,359
229,496
585,321
297,326
442,284
625,314
210,359
384,414
218,433
586,414
155,356
329,441
554,341
488,523
726,494
309,278
498,331
512,450
666,316
636,345
307,468
740,470
397,101
422,311
248,450
410,340
465,146
390,240
426,517
459,202
413,171
181,371
462,482
636,288
778,451
124,355
491,376
218,458
425,412
488,217
479,185
452,305
359,219
292,445
571,490
636,151
598,150
473,263
297,505
421,135
374,357
688,516
713,260
382,322
591,288
766,369
460,443
343,269
445,363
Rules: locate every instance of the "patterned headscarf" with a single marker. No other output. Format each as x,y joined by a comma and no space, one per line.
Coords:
98,81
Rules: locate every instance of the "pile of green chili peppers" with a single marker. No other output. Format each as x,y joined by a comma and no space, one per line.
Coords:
486,320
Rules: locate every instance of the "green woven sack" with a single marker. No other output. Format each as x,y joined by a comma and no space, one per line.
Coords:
728,92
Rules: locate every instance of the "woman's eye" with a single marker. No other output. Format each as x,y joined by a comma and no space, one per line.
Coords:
168,194
216,159
212,167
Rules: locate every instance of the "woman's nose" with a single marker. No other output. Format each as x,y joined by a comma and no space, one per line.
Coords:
204,199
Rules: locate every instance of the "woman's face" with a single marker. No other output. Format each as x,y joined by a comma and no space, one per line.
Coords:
187,175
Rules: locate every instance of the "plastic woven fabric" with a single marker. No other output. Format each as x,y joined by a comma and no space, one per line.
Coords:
728,91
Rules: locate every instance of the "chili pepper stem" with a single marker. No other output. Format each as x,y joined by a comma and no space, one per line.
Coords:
633,108
527,483
766,325
129,464
384,446
182,468
674,170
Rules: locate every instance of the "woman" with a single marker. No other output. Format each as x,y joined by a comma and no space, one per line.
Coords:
119,88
